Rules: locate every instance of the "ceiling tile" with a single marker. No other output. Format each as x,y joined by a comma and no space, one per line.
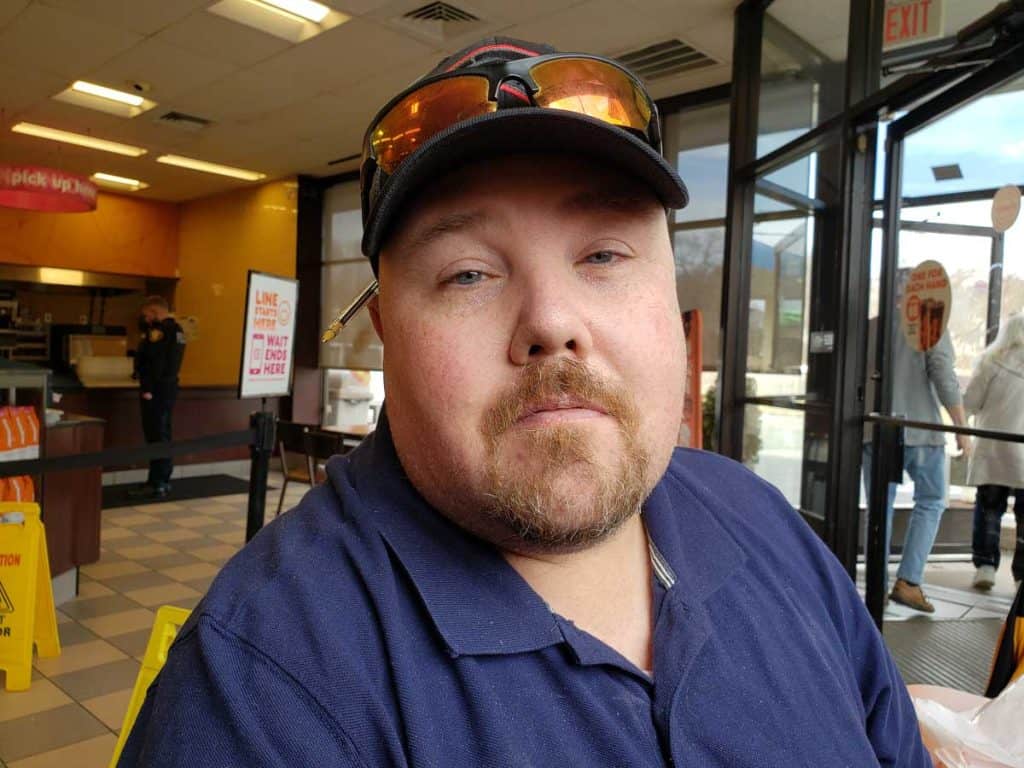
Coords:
713,39
221,39
146,17
345,54
25,86
588,27
60,42
9,9
167,69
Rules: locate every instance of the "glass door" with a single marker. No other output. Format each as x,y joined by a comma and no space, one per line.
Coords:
945,282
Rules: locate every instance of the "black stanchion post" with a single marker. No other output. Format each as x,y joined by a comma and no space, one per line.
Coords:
262,447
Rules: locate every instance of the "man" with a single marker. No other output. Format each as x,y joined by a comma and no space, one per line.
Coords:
517,569
157,363
923,381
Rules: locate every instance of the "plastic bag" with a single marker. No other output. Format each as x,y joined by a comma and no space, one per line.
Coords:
986,736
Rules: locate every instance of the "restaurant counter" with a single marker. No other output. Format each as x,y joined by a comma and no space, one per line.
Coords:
72,499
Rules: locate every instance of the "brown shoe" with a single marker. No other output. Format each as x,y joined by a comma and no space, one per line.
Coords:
912,596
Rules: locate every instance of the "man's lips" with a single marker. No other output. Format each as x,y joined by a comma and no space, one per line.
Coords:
556,410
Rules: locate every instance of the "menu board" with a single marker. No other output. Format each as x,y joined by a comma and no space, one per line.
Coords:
268,339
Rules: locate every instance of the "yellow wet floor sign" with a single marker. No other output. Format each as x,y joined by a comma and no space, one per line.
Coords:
168,621
27,616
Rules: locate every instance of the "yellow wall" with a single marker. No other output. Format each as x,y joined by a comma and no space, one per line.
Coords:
123,235
220,239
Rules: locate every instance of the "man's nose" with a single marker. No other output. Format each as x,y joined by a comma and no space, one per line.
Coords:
551,322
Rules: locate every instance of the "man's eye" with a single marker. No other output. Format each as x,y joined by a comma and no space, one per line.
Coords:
601,257
468,277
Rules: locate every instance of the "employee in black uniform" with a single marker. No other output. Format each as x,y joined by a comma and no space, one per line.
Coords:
157,362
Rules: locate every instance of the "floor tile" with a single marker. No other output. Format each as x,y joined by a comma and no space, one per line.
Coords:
164,506
147,550
81,656
103,571
195,521
218,552
73,633
93,589
200,585
97,606
91,753
235,538
110,708
157,527
175,536
125,584
45,731
41,696
132,643
120,623
133,542
138,518
165,595
199,570
98,681
169,561
113,533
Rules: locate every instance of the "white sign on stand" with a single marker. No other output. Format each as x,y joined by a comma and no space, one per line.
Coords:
268,340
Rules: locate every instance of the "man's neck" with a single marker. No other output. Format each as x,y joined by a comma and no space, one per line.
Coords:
604,590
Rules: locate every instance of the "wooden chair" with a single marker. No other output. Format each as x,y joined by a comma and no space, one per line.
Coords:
291,450
320,446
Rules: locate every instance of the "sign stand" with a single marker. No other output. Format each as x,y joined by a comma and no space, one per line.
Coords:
27,614
268,343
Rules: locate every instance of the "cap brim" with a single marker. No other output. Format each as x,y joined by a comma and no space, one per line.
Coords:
519,131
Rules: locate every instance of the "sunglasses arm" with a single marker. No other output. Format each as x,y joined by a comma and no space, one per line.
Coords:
349,312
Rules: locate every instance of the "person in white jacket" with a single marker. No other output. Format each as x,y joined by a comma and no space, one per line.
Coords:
996,397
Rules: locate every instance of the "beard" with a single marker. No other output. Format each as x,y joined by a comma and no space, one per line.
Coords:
568,497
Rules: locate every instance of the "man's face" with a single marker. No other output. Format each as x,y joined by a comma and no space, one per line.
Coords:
534,353
149,313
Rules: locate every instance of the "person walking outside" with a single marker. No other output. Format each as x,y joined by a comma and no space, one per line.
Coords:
995,395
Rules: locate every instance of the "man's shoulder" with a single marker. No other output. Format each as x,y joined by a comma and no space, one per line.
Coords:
755,514
314,565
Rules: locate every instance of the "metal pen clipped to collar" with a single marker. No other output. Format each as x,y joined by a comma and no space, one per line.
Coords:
349,312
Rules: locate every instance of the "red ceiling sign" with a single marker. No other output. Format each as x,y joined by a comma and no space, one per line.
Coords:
45,189
911,21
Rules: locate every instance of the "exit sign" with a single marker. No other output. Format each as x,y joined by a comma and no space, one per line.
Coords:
911,21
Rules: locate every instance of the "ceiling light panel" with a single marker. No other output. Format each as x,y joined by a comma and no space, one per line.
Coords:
291,20
205,167
118,182
307,9
99,97
79,139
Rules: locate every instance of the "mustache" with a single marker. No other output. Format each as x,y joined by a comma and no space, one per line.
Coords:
551,379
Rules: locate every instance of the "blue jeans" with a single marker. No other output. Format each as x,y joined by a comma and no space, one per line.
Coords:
989,507
926,465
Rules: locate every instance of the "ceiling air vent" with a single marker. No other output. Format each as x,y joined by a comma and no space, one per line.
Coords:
671,57
183,122
439,12
438,22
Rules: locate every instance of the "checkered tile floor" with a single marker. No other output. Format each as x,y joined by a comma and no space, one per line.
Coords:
151,555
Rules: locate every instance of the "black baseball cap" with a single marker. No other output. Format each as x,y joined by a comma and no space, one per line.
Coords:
522,129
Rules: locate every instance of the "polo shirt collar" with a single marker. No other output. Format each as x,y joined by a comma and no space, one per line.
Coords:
477,601
479,604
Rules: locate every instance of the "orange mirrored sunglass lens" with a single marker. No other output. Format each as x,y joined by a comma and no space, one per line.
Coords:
426,112
592,88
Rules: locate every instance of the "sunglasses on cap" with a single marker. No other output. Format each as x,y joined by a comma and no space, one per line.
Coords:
587,85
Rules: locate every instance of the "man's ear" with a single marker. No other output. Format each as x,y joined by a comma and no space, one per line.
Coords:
373,306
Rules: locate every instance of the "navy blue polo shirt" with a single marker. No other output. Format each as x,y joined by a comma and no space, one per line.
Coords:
364,629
